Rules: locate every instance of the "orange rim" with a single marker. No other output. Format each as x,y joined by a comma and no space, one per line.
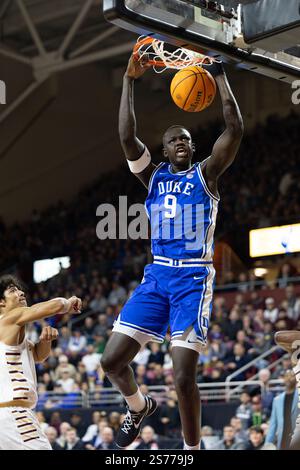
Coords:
160,63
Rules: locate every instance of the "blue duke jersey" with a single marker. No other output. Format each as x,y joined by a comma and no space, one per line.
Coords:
177,288
182,213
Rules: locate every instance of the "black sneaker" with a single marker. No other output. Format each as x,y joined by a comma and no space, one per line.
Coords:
131,426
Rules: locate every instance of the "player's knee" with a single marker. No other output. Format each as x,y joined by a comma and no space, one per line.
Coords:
108,364
184,382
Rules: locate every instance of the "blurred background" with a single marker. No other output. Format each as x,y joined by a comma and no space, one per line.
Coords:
60,158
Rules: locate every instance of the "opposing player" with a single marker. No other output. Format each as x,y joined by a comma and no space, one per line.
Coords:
19,427
177,287
290,342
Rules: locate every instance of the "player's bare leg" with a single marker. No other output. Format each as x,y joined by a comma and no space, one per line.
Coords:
185,367
119,352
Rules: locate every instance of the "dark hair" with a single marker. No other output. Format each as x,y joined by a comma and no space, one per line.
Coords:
175,126
256,429
7,281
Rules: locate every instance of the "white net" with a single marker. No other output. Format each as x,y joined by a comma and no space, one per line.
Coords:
161,59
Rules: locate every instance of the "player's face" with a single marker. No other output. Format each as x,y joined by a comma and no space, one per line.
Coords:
14,297
178,147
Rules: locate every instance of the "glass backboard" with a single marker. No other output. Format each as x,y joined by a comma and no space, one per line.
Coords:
203,26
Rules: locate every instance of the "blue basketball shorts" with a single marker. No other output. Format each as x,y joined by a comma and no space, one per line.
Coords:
179,297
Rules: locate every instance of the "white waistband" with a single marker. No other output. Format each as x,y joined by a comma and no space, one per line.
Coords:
181,263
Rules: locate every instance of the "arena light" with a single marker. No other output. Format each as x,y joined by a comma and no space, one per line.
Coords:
46,268
260,272
274,240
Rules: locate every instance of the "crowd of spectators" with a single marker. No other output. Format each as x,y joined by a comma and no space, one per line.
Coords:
104,273
238,334
256,191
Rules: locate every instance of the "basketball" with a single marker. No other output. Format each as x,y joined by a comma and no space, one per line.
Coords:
193,89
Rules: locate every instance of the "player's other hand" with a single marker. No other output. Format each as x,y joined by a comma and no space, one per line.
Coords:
75,305
136,68
48,334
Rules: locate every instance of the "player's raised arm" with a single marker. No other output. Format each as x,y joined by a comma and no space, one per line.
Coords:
23,315
137,154
227,145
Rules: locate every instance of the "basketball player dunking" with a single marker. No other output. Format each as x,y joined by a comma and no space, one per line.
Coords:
177,287
19,427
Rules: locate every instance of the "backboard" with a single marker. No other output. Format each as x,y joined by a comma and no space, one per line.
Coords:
220,30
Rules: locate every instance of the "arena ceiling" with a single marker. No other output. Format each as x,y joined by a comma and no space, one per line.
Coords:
53,20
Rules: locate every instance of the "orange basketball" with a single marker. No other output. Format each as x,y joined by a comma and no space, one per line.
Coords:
193,89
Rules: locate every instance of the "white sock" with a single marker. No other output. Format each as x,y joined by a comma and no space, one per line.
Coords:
186,447
136,402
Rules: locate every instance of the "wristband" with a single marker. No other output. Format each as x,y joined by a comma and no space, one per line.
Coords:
137,166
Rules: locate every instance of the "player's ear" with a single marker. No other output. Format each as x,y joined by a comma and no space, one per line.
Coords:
2,303
165,153
193,147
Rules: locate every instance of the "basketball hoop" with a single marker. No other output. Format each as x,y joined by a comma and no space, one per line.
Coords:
157,55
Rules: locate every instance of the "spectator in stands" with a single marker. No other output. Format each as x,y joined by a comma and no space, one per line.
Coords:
169,416
103,436
244,410
77,423
55,420
63,428
110,313
117,294
271,311
217,346
66,382
92,430
243,285
142,356
232,325
286,271
88,330
229,441
99,303
107,439
48,382
64,365
148,439
267,396
42,420
51,434
248,327
284,413
240,433
72,441
282,367
81,374
101,327
91,359
63,339
208,438
140,375
77,342
114,421
236,360
156,356
155,375
256,439
100,342
258,416
293,303
242,339
258,321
